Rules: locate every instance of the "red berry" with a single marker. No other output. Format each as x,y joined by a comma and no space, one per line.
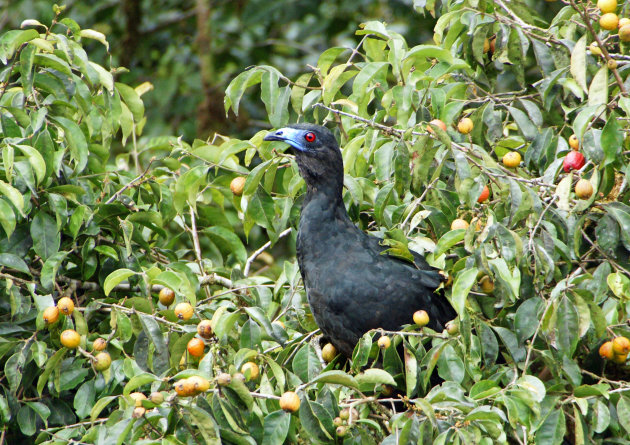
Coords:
574,160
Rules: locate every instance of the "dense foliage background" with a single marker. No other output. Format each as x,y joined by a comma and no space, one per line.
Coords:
117,161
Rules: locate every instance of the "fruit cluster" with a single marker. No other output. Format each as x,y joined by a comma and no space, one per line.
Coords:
616,350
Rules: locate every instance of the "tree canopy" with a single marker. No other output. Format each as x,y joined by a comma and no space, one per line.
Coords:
149,287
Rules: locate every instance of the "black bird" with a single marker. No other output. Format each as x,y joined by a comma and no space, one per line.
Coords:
351,286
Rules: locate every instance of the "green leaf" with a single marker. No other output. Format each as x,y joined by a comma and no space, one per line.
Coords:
7,218
49,270
228,242
76,141
578,62
336,377
612,140
276,427
619,284
375,375
333,82
115,278
36,160
305,363
14,262
46,236
598,90
623,413
237,87
461,287
54,363
14,196
11,40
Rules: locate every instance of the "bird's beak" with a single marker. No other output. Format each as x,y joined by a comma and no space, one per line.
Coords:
291,136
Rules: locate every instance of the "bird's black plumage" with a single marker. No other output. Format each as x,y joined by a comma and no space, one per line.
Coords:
351,286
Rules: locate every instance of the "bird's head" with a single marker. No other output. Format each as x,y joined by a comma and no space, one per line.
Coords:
317,154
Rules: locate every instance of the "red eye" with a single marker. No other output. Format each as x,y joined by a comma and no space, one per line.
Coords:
310,137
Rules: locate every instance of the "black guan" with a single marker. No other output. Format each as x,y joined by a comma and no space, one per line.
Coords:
351,286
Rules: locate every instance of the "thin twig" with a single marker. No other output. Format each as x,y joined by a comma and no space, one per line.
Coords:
265,246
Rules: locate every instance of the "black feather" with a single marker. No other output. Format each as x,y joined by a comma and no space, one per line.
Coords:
351,287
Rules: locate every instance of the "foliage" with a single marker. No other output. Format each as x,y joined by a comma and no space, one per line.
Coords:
112,231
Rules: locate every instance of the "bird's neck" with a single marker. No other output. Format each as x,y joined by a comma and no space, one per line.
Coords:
323,181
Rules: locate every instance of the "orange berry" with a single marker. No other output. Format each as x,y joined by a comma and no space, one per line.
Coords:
421,318
329,352
204,329
465,125
437,123
184,311
70,338
238,185
384,342
184,388
606,350
512,159
250,370
290,402
621,345
99,344
102,361
195,347
166,296
459,224
66,305
584,189
51,314
199,384
485,193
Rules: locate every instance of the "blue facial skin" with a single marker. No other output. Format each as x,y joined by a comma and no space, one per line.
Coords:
291,136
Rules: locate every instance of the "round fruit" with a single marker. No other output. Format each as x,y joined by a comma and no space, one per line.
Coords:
606,6
66,305
387,390
624,33
611,64
137,398
493,42
574,143
99,344
204,329
337,421
459,224
290,402
609,21
224,379
157,397
239,376
195,347
620,359
486,284
51,314
574,160
486,46
452,327
437,123
384,342
623,22
166,296
199,384
102,361
512,159
465,125
341,431
329,352
138,412
621,345
70,338
606,350
584,189
421,318
251,370
184,388
595,49
184,311
237,185
485,193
